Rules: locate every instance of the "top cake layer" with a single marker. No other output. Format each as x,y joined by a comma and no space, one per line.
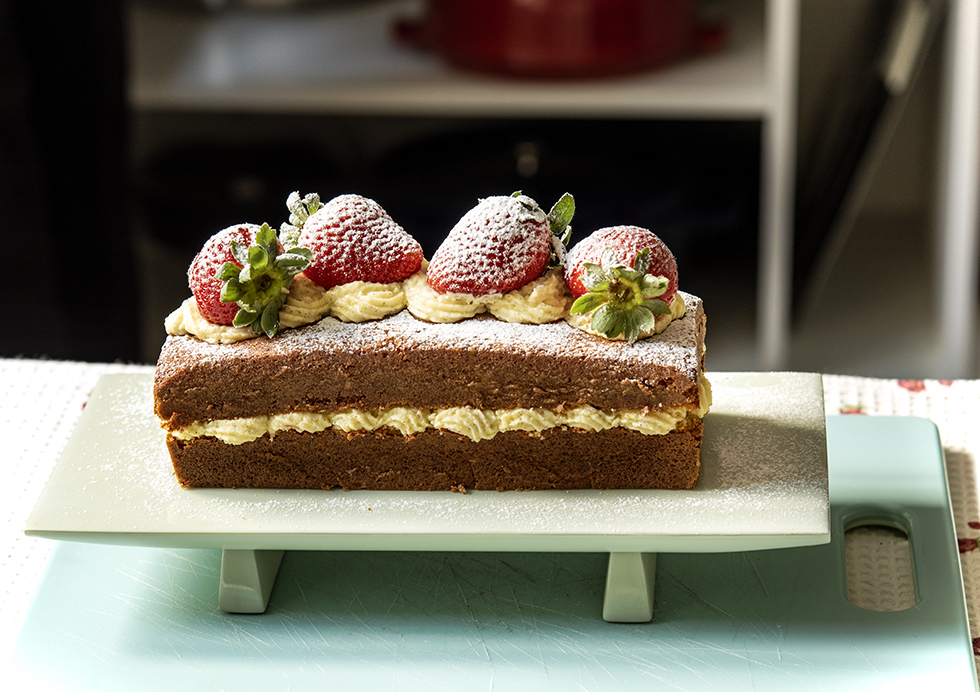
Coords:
402,361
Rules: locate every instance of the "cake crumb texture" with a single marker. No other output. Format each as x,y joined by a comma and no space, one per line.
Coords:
403,361
433,460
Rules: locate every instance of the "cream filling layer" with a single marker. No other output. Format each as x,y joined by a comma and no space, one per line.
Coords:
476,424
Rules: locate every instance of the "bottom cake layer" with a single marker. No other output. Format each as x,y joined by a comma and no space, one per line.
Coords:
563,458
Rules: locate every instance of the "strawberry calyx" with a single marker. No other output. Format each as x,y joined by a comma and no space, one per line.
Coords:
259,279
623,300
560,223
300,209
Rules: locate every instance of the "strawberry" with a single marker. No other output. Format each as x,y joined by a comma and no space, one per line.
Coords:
354,239
242,275
624,276
202,274
501,244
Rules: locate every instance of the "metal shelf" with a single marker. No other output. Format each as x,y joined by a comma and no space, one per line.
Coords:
344,60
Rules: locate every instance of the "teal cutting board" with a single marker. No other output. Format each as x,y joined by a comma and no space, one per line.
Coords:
125,618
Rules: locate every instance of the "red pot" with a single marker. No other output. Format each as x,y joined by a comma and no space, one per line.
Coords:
557,38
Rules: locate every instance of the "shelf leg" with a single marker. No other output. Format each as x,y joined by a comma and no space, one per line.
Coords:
629,587
247,577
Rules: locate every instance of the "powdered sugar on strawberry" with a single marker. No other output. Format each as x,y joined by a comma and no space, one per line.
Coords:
626,242
201,278
354,239
623,279
500,245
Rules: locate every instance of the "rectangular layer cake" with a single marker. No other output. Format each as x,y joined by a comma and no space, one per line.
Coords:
404,404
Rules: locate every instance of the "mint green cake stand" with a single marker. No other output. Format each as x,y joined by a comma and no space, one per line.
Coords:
763,485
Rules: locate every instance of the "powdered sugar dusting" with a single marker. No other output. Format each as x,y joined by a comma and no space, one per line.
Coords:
209,259
765,445
499,245
764,474
675,348
625,242
354,239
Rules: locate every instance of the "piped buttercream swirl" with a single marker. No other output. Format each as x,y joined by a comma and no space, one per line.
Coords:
544,300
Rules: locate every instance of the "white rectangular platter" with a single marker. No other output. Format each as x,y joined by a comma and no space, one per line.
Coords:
763,484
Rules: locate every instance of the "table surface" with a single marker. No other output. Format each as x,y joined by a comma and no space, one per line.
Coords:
41,401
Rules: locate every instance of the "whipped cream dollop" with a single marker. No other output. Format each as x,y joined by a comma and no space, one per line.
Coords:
357,301
429,305
187,319
362,301
546,299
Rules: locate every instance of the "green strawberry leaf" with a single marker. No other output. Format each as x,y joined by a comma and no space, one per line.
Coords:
244,318
608,321
641,265
645,317
229,270
296,258
594,277
300,209
560,223
608,261
239,252
258,258
653,286
631,328
656,306
269,323
231,291
560,216
259,286
587,302
266,237
623,300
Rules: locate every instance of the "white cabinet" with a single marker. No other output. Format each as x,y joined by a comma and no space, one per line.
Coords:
341,60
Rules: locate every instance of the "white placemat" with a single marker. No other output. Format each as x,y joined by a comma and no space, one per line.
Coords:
40,402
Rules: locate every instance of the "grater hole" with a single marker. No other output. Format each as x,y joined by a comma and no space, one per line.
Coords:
879,568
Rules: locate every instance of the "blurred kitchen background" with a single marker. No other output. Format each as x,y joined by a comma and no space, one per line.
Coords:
812,163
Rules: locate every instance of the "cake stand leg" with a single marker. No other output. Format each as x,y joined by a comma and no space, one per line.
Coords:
247,577
629,587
